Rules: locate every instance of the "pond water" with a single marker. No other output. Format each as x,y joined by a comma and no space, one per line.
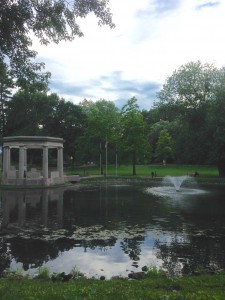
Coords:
112,229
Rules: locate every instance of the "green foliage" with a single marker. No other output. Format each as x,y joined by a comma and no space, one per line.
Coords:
154,272
18,274
76,273
164,146
193,98
46,115
43,273
102,118
6,85
216,125
190,86
173,129
101,131
133,133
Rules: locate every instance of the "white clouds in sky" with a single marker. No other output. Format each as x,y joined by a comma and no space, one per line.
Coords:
152,38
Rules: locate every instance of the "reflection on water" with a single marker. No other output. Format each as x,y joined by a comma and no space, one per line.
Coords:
111,229
172,192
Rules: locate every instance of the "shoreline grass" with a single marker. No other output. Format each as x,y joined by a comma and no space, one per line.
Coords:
153,287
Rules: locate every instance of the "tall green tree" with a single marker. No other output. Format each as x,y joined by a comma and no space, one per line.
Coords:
193,98
69,122
189,87
49,115
216,126
101,131
164,148
186,97
6,85
133,133
155,130
29,113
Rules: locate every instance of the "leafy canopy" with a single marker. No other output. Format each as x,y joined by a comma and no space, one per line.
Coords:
190,86
164,146
133,131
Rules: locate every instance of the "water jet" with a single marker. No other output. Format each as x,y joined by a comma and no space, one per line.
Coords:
175,181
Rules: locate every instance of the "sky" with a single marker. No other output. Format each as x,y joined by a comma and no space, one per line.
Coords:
152,39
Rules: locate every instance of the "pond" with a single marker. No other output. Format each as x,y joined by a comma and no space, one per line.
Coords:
112,228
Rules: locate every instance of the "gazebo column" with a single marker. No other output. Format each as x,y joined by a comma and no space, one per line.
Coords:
9,159
21,162
45,162
25,159
60,161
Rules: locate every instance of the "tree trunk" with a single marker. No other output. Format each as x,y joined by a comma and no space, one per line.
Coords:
134,163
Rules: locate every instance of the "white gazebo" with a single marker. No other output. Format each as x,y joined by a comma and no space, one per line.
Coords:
23,176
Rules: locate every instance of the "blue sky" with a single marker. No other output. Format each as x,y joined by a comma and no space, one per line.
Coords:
152,39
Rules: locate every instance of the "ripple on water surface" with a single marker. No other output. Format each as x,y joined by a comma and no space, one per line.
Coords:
171,191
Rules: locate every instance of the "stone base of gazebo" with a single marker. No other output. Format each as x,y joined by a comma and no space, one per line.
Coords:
41,181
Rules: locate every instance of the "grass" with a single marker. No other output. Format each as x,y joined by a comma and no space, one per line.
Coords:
145,170
156,286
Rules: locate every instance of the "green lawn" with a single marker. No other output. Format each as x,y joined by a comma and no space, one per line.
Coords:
145,170
153,287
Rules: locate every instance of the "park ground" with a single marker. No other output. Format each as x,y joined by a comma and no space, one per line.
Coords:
146,170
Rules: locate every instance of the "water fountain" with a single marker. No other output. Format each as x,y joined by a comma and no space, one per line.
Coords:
176,186
176,181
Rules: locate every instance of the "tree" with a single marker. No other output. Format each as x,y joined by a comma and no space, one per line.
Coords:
189,87
43,114
216,125
49,21
156,129
6,85
133,133
101,131
187,94
29,113
164,148
193,99
67,121
186,98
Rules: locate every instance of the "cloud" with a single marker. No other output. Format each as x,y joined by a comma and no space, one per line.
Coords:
159,8
162,6
67,88
152,38
109,87
208,5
